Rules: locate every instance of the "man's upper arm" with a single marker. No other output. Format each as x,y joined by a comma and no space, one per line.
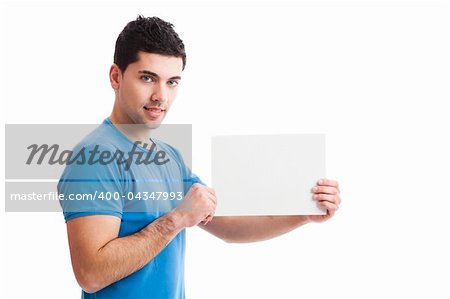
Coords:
91,188
87,234
92,220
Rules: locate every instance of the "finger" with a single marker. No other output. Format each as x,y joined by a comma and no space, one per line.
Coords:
206,188
328,182
210,197
204,221
211,216
325,189
326,197
201,187
213,198
331,208
211,190
207,220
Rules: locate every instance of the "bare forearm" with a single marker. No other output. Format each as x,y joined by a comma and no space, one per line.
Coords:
123,256
244,229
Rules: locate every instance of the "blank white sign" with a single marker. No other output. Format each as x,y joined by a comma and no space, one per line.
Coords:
267,174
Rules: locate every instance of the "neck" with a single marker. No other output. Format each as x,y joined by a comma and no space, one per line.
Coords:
135,132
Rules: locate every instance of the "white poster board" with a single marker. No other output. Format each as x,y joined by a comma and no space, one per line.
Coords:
267,174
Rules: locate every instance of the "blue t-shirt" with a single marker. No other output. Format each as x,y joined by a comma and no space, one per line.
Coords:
137,193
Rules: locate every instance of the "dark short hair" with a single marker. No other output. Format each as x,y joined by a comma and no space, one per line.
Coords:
151,35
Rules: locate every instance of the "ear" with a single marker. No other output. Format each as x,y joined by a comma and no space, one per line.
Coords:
115,76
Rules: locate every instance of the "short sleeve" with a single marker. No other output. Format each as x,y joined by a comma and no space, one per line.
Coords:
194,178
91,188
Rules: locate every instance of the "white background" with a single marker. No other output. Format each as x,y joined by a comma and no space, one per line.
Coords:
372,76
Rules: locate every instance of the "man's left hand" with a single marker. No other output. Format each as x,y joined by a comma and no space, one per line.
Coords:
326,192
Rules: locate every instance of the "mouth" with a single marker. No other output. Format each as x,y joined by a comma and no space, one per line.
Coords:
153,111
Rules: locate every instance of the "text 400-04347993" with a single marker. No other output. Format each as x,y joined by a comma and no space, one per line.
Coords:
155,195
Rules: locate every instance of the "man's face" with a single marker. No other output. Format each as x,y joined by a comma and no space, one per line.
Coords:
147,88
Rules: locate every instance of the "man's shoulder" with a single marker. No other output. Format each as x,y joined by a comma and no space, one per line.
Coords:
171,150
93,154
102,137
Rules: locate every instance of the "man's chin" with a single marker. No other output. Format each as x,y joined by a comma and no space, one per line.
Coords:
152,125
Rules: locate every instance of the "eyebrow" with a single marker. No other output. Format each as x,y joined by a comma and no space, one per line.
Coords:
147,72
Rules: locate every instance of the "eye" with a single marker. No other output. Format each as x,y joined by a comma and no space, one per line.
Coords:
147,78
173,83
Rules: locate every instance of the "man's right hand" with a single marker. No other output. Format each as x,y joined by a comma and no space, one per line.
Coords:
198,206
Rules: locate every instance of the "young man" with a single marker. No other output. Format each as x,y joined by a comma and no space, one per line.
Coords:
118,252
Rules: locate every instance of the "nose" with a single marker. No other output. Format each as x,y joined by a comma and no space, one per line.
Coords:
160,94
